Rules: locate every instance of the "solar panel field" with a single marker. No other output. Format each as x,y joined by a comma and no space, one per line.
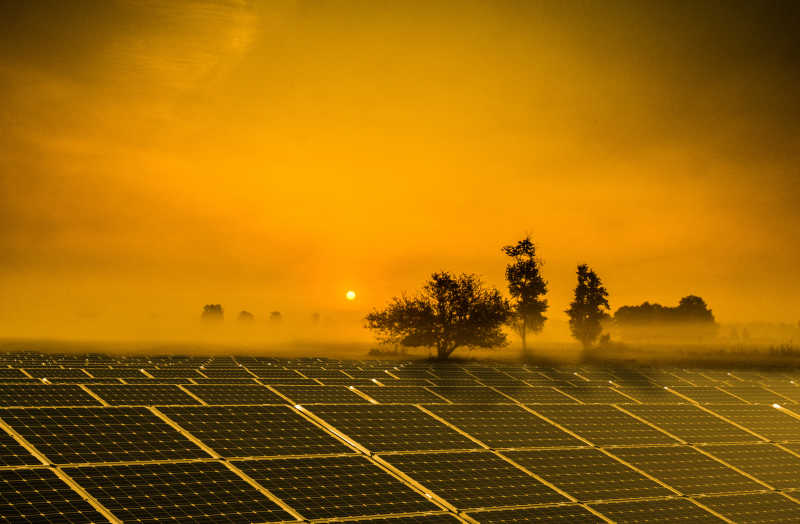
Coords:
95,438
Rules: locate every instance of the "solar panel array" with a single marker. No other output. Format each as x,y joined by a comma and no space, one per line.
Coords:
95,438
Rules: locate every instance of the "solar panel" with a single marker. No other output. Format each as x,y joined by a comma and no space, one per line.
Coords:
76,435
470,394
227,373
754,507
11,373
329,487
12,453
392,427
766,421
57,373
603,425
422,519
472,480
174,373
504,426
166,380
116,373
754,394
235,394
43,395
652,395
179,492
596,395
253,431
691,423
536,395
669,510
686,469
143,395
389,381
567,513
766,462
38,495
707,395
321,394
224,380
401,395
299,381
588,474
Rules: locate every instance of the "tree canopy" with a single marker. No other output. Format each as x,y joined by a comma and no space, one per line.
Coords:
691,318
589,307
527,289
451,311
213,312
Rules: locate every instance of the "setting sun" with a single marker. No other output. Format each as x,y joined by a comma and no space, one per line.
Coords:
350,295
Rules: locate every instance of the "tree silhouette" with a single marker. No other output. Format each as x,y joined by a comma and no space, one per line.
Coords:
246,316
275,316
691,318
450,312
212,312
526,286
588,309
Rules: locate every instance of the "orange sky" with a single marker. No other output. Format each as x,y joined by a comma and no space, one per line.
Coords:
273,155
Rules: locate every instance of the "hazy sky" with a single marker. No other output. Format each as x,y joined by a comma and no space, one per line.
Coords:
157,156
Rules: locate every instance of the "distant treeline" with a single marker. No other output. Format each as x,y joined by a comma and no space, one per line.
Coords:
690,319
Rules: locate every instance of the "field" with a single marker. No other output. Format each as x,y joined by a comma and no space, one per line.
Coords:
95,438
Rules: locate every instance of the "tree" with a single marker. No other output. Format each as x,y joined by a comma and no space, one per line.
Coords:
526,286
212,312
450,312
246,316
589,308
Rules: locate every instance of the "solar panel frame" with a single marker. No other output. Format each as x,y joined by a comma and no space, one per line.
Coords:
45,395
686,469
391,427
664,510
105,434
38,495
254,431
588,474
228,394
504,425
691,424
177,492
332,487
474,480
603,425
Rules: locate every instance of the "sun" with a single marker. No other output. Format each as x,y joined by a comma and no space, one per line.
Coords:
350,295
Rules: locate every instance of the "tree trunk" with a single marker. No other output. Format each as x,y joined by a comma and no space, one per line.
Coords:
524,335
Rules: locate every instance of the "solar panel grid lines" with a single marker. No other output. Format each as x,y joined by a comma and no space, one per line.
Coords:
603,425
406,518
772,507
333,430
85,495
40,495
78,435
204,491
177,427
508,458
588,474
94,395
560,389
32,395
400,395
535,395
738,470
261,489
770,423
686,469
473,480
453,427
658,510
690,423
227,394
389,427
19,457
339,487
504,426
566,513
